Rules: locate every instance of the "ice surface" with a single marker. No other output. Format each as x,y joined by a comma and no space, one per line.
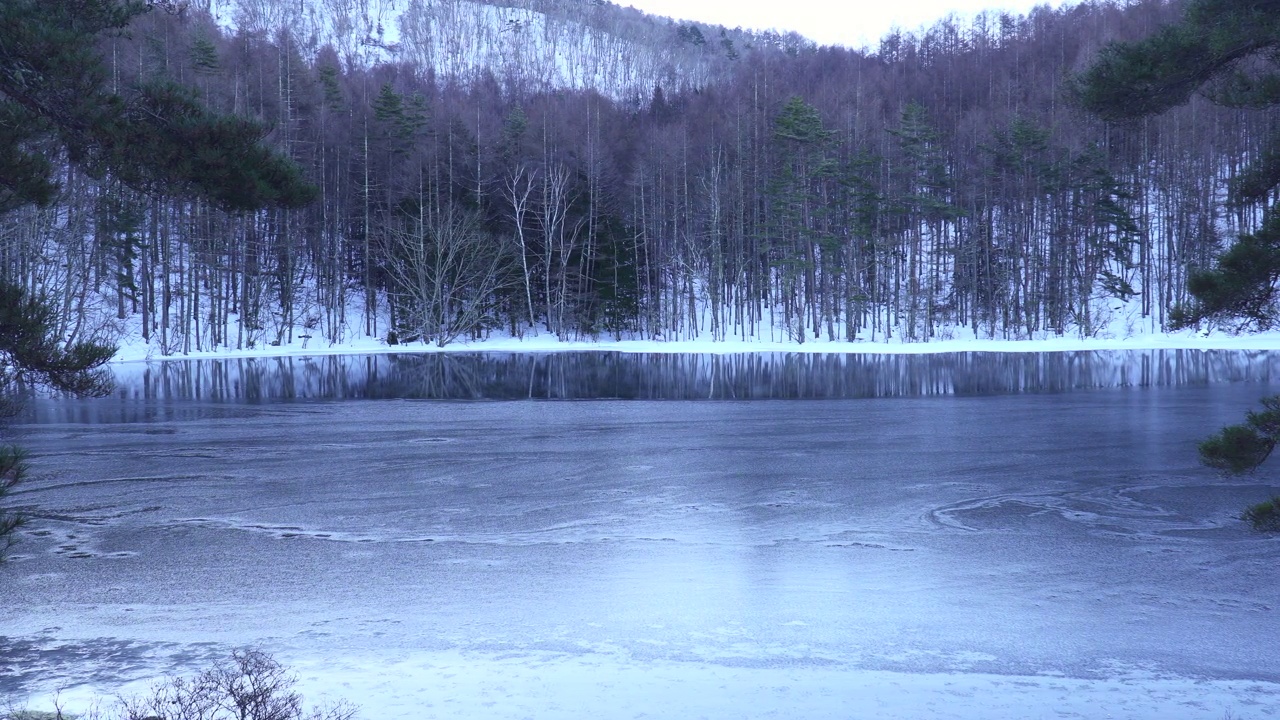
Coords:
1006,555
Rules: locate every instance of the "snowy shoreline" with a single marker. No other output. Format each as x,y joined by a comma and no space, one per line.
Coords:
1188,340
453,684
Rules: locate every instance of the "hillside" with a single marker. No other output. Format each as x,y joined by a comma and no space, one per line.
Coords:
538,44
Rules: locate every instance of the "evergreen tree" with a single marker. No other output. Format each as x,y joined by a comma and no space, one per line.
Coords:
333,98
1230,50
55,93
798,210
1240,449
204,56
921,202
31,353
12,470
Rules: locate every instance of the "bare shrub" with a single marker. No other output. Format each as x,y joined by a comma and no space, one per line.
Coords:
250,685
445,270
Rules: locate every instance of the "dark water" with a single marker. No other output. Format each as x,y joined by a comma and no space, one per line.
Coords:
639,376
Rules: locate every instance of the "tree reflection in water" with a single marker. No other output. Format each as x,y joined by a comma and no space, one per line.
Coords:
638,376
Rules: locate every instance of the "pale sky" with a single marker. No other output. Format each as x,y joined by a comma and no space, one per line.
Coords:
854,23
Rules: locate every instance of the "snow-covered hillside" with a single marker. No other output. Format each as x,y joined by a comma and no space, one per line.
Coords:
533,44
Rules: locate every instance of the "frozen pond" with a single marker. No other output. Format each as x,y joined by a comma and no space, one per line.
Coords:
964,535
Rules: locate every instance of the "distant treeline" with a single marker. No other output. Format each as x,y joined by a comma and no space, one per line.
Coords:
943,183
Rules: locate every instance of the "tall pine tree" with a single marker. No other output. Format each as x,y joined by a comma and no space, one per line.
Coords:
1229,50
55,94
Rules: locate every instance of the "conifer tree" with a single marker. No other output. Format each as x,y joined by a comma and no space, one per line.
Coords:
1241,449
797,209
55,96
1230,51
31,353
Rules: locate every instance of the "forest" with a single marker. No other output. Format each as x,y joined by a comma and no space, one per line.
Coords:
728,185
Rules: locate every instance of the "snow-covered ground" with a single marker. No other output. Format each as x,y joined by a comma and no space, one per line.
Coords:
999,556
460,685
134,351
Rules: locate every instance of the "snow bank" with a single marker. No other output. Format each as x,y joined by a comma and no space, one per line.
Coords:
1187,340
458,685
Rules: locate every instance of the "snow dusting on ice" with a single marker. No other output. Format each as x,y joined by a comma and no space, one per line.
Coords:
1047,554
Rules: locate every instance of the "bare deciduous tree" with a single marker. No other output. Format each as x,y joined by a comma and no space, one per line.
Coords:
445,270
250,685
517,191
